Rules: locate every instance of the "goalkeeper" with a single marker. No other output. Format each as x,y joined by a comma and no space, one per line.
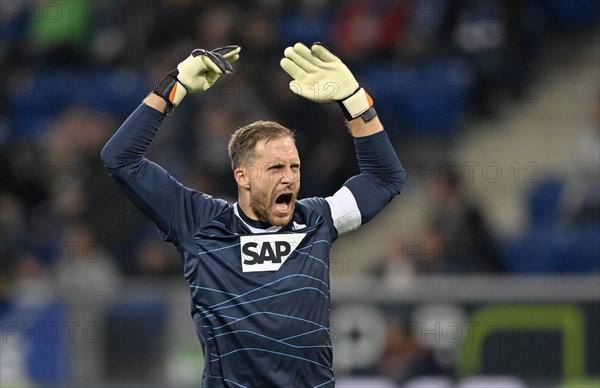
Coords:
258,269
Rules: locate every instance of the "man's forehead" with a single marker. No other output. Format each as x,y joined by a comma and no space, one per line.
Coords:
277,149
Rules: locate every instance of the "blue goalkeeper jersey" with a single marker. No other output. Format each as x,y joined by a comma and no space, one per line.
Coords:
260,294
260,297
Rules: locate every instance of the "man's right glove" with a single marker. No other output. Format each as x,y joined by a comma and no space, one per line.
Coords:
320,76
196,73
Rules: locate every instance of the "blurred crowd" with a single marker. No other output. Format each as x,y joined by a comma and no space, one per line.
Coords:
73,71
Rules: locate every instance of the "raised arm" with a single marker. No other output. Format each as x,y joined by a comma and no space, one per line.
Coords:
175,209
320,76
381,177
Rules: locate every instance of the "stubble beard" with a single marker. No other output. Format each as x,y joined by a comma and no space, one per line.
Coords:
261,204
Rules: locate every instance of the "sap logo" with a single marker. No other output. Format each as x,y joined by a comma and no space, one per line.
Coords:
267,252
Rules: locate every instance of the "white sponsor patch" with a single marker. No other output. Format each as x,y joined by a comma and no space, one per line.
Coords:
267,252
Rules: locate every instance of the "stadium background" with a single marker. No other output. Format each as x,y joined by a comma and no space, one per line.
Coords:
487,265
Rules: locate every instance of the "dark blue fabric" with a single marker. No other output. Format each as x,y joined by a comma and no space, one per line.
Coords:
267,328
382,176
273,323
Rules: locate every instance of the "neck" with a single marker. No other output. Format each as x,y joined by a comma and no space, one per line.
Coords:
244,205
253,222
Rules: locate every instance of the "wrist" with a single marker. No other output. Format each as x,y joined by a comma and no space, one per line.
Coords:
367,115
156,102
361,128
358,104
171,91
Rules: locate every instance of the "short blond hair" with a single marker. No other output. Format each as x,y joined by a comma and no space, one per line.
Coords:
243,141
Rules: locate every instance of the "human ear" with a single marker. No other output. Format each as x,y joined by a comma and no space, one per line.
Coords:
241,177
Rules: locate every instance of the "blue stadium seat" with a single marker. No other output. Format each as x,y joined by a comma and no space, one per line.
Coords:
35,103
426,99
543,203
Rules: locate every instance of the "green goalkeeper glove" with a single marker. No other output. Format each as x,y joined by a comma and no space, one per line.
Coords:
196,73
320,76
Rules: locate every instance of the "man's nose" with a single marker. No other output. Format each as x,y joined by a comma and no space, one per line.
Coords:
290,175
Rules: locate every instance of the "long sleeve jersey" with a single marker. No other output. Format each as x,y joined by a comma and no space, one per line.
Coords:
260,295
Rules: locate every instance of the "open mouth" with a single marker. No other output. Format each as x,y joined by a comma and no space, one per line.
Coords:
283,203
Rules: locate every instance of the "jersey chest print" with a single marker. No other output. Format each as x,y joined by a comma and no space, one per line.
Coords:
267,252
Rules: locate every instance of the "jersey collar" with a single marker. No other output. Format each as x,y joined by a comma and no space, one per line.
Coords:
253,225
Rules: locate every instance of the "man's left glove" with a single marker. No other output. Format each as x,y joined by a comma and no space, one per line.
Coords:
320,76
196,73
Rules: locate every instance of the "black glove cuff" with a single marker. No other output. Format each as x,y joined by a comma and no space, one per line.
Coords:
347,114
369,114
165,87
